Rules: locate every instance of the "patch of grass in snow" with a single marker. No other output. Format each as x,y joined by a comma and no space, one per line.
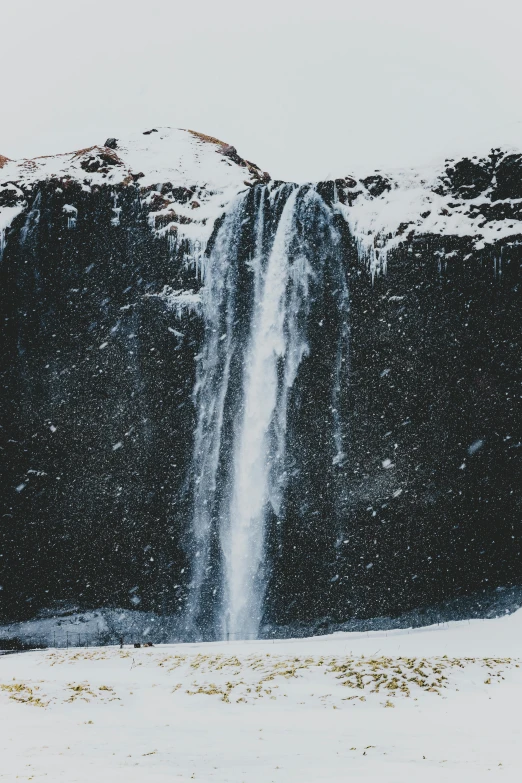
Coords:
24,694
248,678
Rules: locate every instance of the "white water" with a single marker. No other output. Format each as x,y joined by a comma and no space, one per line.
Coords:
259,447
242,394
209,395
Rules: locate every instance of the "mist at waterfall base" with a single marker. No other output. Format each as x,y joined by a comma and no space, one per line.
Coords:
301,446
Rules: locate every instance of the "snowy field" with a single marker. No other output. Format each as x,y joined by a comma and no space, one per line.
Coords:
433,704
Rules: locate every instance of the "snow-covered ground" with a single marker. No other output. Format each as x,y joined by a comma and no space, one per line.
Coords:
432,704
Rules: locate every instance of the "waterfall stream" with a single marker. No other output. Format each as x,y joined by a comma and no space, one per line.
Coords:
256,306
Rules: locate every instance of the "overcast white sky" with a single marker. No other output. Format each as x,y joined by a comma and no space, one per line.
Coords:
304,89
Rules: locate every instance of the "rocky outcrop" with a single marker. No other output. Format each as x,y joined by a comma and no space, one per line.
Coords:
206,173
508,184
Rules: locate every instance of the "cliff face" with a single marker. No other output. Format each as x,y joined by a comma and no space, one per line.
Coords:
162,302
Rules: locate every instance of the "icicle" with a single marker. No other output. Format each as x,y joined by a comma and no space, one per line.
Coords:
32,219
115,220
72,215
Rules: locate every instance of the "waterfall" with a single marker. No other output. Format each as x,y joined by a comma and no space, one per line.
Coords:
256,307
242,538
210,392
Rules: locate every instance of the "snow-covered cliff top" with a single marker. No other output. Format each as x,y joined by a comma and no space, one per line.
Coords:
198,173
479,199
186,180
159,155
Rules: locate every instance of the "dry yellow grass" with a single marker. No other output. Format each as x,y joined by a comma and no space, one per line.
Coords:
204,137
257,676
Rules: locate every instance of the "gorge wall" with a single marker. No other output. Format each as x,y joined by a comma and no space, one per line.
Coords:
248,404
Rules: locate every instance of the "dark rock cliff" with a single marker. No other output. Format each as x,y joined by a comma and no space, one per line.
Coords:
98,369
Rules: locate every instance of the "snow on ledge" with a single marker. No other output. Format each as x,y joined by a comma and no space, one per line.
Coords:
182,302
